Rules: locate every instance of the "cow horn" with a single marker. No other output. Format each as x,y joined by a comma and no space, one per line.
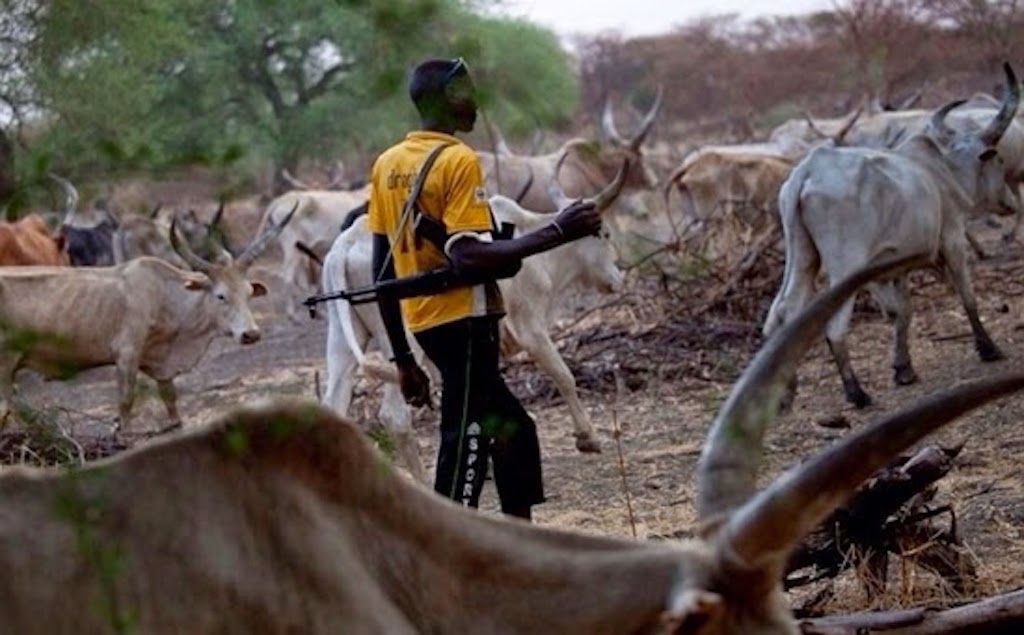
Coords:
762,532
601,200
295,183
215,221
912,100
994,132
256,247
185,252
727,469
648,121
939,118
840,137
608,124
607,196
70,196
156,210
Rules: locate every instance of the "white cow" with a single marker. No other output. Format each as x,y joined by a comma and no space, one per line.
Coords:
532,299
143,315
318,219
843,208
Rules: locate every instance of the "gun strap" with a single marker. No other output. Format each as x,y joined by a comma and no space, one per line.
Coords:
409,208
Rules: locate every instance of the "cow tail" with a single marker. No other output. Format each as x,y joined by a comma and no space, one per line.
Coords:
797,240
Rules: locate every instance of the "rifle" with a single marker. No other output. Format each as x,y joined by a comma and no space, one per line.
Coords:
428,283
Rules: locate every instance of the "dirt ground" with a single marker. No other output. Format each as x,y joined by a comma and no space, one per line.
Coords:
665,410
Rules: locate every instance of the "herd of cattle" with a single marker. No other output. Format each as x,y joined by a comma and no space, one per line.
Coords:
281,518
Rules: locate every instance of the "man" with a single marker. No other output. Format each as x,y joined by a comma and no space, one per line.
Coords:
458,327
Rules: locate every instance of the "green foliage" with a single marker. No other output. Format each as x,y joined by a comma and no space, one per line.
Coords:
155,83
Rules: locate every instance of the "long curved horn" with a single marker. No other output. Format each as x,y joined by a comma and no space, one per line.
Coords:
156,210
555,191
292,181
727,470
994,132
256,247
938,120
912,100
215,221
840,137
601,200
813,126
608,124
762,532
526,187
648,121
184,251
70,196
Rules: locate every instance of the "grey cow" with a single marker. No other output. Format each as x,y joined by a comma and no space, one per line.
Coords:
844,208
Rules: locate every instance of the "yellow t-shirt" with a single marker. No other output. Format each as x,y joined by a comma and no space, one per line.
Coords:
454,194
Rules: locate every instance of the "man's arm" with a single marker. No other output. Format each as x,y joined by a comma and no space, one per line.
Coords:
477,257
414,383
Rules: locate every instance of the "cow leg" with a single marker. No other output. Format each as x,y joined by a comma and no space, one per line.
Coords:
127,374
895,302
169,395
956,268
976,247
1011,235
538,344
836,338
396,416
295,282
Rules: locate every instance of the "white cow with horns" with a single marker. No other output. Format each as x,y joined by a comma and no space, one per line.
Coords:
843,208
283,519
143,315
531,300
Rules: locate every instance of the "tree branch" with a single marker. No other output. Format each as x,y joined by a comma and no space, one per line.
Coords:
321,86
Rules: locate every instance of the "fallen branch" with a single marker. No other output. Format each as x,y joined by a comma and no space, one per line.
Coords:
991,616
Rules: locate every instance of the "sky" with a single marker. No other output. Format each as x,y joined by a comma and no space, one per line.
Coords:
645,17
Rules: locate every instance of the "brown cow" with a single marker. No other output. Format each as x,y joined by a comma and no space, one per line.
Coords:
29,242
283,519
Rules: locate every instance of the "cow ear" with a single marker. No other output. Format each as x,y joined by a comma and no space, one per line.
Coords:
691,611
987,155
196,284
258,289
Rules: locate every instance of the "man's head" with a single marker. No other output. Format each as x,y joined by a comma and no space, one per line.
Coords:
444,95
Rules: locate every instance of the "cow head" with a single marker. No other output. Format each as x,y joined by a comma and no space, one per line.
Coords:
640,175
224,283
595,255
973,156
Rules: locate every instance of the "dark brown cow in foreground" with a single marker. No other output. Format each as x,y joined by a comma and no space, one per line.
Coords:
283,519
29,242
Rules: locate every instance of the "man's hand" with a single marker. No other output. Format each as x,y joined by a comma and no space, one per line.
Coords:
414,382
578,220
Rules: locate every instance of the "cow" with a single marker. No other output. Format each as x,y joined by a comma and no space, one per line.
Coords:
146,235
532,299
282,518
590,164
88,238
718,186
143,315
319,215
28,241
843,208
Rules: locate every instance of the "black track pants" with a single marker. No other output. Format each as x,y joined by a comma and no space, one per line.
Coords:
480,417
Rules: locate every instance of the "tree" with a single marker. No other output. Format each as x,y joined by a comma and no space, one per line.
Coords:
151,83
